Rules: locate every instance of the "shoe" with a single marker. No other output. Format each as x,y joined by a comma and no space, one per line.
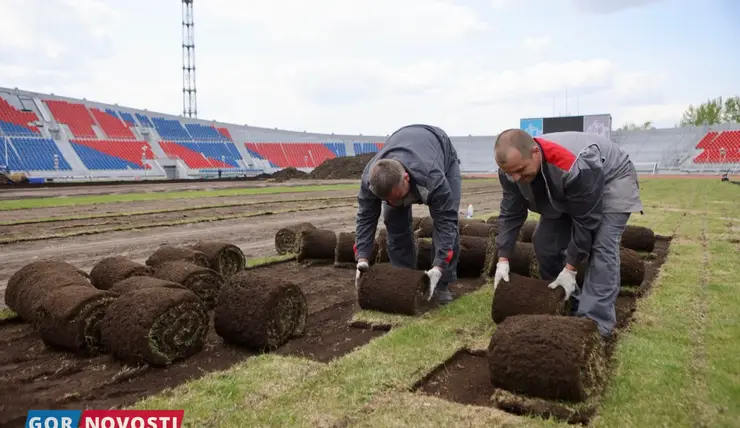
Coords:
443,296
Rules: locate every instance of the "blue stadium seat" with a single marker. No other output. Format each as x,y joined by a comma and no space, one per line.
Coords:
11,129
37,154
128,118
339,149
203,132
215,150
144,120
170,129
362,148
96,160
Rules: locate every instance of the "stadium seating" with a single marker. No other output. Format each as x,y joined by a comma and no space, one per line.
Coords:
14,122
112,125
204,133
362,148
112,154
75,116
170,129
35,154
719,148
297,155
200,155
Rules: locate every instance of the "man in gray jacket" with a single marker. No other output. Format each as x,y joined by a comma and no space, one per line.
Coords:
417,165
585,188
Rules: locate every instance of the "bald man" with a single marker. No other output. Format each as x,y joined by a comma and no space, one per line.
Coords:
585,188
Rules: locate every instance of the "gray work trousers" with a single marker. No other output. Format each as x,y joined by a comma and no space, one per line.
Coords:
597,297
402,243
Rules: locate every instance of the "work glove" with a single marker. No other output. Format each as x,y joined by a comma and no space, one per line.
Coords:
362,266
502,272
434,274
567,280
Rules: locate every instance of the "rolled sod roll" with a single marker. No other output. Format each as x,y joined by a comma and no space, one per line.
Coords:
523,261
111,270
527,231
168,253
259,311
381,247
344,253
492,219
631,268
547,356
202,281
461,221
393,290
223,257
472,256
425,228
139,282
26,274
316,244
415,223
37,284
477,229
526,296
155,325
69,318
424,254
285,238
638,238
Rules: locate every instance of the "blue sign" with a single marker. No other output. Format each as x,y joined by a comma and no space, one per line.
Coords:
53,418
532,126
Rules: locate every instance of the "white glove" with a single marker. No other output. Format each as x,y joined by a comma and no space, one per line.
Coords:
362,266
567,280
434,274
502,272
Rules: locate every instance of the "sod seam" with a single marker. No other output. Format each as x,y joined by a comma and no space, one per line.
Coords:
164,224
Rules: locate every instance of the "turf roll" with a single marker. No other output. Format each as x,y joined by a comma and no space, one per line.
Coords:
30,273
472,257
523,261
316,244
285,238
69,318
631,268
638,238
381,247
477,229
139,282
547,356
223,257
389,289
202,281
155,325
527,231
111,270
168,253
526,296
424,254
415,223
260,312
344,253
425,229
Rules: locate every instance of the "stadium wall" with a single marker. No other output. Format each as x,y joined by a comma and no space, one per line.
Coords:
50,136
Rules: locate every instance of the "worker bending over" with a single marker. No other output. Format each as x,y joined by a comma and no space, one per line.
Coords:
585,188
417,165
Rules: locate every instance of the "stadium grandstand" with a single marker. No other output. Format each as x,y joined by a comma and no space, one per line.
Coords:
51,137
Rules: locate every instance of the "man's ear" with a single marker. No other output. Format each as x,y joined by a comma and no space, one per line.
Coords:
406,177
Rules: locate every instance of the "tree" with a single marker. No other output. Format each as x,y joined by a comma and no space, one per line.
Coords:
713,112
631,126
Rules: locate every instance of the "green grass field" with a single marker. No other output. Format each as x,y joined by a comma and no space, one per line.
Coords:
677,365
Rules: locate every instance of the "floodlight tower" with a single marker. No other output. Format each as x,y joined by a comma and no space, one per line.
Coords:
189,93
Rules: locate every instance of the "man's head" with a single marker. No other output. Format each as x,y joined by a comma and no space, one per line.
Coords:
518,155
389,181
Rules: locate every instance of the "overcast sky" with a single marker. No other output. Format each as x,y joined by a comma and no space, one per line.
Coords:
354,66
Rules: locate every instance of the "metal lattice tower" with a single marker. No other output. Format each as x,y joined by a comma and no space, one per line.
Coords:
189,93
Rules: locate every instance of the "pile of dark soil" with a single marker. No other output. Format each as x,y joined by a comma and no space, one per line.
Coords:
155,325
289,173
347,167
260,312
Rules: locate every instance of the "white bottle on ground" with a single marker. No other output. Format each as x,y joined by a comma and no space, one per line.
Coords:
470,211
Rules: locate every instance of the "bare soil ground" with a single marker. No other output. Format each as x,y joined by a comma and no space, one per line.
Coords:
255,235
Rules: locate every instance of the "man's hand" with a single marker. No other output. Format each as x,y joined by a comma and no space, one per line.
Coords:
434,274
502,272
362,266
567,280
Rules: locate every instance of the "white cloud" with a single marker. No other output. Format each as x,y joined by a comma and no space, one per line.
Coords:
610,6
536,44
322,66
